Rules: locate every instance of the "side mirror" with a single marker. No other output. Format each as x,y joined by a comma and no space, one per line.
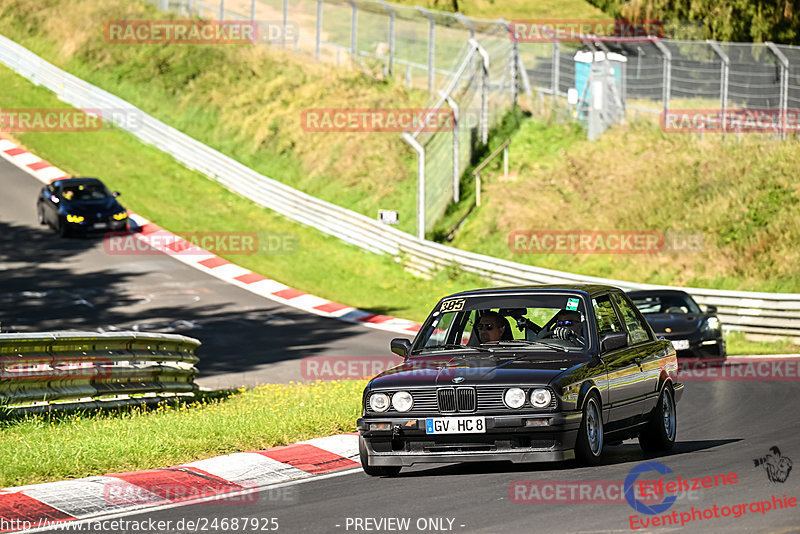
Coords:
613,340
711,309
401,346
115,194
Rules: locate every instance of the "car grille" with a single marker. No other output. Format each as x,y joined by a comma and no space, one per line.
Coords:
486,399
457,399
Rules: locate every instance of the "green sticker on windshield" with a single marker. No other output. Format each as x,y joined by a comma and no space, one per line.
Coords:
572,304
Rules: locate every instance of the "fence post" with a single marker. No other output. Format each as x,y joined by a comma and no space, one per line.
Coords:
420,183
456,171
514,75
723,81
285,16
431,46
319,29
221,10
391,34
253,11
484,91
783,102
667,73
556,70
353,32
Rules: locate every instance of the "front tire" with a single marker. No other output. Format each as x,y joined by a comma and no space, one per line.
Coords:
660,432
40,215
61,230
589,445
373,470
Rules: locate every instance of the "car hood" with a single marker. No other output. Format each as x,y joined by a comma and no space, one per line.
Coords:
107,206
496,369
678,323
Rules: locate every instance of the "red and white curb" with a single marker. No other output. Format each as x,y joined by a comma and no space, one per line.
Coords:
233,479
160,239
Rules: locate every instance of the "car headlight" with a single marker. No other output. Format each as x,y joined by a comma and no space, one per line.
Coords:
379,402
402,401
540,398
514,397
120,216
74,218
712,323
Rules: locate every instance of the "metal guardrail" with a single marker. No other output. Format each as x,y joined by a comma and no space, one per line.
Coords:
42,371
766,313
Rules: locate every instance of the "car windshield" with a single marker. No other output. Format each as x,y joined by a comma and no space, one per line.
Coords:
535,321
81,192
666,303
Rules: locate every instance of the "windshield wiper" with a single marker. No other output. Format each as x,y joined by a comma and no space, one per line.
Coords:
534,342
451,346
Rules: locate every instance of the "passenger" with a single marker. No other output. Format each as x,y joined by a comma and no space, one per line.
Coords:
568,325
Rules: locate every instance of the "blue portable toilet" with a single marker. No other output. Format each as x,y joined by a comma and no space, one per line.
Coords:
583,68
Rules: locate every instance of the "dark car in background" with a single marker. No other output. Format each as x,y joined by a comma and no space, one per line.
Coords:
675,315
77,206
524,374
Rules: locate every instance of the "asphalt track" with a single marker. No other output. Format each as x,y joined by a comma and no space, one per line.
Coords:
51,283
48,283
722,428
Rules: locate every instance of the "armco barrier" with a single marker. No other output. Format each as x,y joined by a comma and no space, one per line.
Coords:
84,369
764,313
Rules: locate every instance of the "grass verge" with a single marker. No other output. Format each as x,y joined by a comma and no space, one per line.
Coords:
63,446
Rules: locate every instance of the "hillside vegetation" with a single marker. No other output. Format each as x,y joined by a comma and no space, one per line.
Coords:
738,197
734,20
514,9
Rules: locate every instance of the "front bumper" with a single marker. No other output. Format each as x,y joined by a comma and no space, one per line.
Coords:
98,226
507,438
698,347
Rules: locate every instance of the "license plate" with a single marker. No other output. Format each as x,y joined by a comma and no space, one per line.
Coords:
455,425
680,344
101,225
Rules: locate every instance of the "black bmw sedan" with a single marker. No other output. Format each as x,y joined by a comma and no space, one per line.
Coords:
524,374
76,206
675,315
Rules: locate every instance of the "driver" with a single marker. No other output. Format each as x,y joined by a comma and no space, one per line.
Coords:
491,327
